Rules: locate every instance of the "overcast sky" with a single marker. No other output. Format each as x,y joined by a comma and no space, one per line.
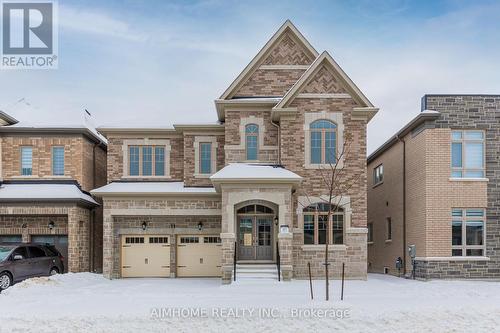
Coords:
158,63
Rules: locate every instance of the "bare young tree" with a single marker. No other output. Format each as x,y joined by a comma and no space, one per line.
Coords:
337,181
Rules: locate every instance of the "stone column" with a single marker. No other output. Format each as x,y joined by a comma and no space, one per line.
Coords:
228,248
285,246
78,239
108,245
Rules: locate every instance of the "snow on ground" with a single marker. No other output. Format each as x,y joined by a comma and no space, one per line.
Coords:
86,302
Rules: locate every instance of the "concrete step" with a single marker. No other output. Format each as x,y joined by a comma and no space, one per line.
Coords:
257,272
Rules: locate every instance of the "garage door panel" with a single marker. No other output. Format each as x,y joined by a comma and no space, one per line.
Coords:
145,256
199,256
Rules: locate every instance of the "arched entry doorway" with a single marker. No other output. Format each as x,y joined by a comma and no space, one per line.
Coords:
255,232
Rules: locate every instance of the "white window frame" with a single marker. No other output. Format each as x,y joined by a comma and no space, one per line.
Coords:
309,118
52,160
197,160
146,142
464,218
21,160
376,178
464,141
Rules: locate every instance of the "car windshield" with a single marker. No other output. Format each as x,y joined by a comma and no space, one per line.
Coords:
4,252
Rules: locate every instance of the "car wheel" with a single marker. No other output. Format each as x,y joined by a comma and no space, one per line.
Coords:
5,280
54,271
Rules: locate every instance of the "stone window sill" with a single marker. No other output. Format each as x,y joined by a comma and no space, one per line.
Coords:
321,247
57,177
457,258
452,179
378,184
202,175
370,243
388,241
146,177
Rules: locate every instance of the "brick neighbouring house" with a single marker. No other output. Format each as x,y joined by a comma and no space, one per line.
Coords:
45,175
182,200
448,159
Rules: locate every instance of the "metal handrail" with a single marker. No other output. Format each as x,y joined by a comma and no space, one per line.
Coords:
234,260
278,261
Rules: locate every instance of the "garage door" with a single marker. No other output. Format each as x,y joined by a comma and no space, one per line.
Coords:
145,256
199,256
11,238
59,241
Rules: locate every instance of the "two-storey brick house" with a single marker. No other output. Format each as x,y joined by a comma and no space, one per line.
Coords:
46,173
435,185
191,199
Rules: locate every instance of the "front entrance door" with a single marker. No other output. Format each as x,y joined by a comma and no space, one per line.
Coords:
255,238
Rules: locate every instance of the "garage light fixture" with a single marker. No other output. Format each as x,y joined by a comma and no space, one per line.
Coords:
24,225
200,226
51,225
144,225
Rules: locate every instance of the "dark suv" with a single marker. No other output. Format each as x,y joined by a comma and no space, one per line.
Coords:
20,261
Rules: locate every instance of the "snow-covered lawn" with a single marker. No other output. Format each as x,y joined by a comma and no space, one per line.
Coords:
87,302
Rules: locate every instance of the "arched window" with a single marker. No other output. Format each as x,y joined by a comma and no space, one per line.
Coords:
252,141
323,142
317,228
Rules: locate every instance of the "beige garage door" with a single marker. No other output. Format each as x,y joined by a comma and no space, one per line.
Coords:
145,256
199,256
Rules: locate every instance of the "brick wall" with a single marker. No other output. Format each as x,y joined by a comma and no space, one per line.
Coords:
115,157
476,112
77,158
189,160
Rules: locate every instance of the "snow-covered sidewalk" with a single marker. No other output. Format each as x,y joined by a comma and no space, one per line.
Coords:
87,302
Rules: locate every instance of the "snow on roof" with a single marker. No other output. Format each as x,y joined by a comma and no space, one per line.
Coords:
32,117
43,192
150,188
237,171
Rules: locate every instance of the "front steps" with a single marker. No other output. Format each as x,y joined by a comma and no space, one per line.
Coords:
256,272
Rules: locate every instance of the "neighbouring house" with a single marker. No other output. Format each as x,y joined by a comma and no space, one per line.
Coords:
191,200
46,173
436,185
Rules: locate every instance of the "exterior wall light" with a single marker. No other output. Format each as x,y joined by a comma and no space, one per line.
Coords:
276,220
200,226
25,225
51,225
284,229
144,225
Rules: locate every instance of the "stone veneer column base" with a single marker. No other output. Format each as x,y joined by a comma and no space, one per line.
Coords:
481,268
285,246
228,248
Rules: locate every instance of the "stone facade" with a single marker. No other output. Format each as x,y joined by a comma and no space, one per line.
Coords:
69,219
324,92
431,192
84,163
163,217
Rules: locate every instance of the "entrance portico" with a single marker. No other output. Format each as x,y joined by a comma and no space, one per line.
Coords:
256,203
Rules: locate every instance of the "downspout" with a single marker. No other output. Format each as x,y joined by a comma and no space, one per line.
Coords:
92,213
279,140
404,203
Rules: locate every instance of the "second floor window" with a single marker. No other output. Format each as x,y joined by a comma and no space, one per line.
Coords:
323,142
389,228
467,154
26,161
146,161
205,157
252,141
370,232
378,174
58,161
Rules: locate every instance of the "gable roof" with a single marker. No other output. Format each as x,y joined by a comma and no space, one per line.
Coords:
252,66
324,58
